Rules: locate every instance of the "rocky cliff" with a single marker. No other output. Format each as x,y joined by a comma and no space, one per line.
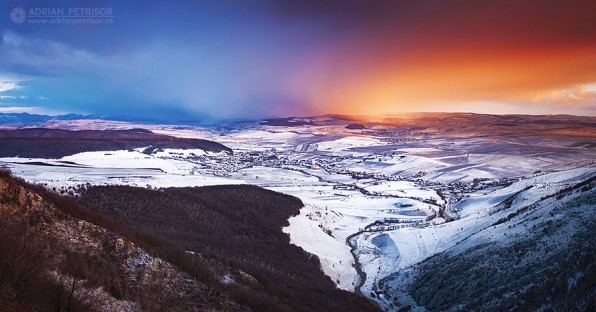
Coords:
51,260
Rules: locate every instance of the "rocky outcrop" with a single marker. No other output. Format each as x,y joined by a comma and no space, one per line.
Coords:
111,270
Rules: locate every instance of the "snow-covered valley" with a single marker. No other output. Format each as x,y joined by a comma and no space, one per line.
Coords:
373,206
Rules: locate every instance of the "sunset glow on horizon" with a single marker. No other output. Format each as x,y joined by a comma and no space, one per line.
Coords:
239,59
503,52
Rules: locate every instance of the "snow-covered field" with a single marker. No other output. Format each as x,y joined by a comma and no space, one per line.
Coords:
401,189
116,168
326,221
347,143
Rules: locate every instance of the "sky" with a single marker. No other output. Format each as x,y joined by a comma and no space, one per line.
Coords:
248,59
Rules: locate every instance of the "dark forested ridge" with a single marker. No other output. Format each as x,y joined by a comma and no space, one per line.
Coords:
54,143
57,256
240,224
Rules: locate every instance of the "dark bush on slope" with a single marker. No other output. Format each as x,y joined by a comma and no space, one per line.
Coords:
25,284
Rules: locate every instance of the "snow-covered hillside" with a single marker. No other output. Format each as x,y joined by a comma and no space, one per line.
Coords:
546,213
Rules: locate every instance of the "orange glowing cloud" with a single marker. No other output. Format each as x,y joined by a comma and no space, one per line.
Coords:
461,51
391,87
574,96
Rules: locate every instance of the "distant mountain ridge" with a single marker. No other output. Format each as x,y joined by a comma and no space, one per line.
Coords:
26,119
20,120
